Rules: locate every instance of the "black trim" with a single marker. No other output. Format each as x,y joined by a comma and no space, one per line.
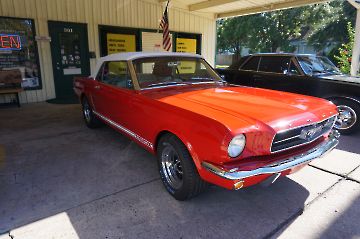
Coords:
105,29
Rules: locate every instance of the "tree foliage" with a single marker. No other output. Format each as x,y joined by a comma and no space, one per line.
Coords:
273,31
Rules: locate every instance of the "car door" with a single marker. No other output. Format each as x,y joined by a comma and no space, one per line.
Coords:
273,73
113,93
247,71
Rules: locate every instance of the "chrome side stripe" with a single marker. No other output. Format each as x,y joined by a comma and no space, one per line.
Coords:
125,130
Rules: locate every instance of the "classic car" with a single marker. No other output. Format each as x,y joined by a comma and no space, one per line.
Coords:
303,74
203,130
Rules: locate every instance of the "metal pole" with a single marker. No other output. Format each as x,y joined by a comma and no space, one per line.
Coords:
356,48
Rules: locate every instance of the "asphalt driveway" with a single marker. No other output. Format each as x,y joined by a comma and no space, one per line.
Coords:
59,179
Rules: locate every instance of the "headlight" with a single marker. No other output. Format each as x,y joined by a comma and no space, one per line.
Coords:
236,146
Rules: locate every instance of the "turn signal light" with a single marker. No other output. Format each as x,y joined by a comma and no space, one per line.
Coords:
238,185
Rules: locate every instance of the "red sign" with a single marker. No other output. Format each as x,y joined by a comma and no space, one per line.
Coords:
10,42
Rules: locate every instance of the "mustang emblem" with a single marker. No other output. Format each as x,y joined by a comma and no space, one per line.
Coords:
309,133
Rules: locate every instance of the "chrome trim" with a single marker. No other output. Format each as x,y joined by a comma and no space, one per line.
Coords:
282,131
307,142
278,167
351,98
162,86
298,145
125,130
297,136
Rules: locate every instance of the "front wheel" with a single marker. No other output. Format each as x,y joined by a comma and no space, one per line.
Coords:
177,169
348,119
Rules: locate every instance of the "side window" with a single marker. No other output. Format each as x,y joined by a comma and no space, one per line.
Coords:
293,70
99,74
275,64
252,64
116,73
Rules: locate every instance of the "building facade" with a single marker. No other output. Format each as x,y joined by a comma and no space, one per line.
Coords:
52,41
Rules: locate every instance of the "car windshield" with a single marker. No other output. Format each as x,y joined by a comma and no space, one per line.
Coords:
317,65
168,71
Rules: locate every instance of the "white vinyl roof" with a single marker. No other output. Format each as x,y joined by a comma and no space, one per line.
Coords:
231,8
128,56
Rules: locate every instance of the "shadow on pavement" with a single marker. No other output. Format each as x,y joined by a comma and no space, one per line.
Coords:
350,143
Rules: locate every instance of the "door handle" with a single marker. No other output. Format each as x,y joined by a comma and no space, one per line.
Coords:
97,87
257,77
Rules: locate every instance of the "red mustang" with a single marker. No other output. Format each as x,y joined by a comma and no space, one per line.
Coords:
202,129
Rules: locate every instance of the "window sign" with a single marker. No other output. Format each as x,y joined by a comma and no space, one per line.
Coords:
10,42
120,43
18,51
187,46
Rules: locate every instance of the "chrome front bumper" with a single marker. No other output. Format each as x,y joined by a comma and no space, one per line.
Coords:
278,167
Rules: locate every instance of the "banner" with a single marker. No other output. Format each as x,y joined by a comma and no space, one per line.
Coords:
117,43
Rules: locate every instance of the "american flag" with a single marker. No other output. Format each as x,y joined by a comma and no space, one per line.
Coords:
164,25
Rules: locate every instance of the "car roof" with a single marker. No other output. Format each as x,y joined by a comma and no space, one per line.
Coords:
128,56
281,54
136,55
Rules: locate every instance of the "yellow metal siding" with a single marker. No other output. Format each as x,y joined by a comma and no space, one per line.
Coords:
123,13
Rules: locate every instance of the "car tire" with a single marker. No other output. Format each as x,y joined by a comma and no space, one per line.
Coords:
348,120
177,169
90,119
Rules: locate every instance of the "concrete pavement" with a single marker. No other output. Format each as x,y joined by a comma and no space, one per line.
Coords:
59,179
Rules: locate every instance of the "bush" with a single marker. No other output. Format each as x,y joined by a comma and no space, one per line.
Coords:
345,51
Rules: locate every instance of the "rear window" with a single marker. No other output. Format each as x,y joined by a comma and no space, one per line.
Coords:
252,64
275,64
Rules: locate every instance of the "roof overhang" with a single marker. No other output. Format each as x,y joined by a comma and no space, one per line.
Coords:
233,8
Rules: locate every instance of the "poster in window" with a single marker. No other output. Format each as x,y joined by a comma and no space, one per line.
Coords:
187,46
117,43
18,51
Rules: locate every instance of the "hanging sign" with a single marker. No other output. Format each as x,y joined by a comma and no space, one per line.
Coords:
10,42
120,43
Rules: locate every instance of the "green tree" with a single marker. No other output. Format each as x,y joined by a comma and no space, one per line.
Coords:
233,34
273,31
345,51
332,26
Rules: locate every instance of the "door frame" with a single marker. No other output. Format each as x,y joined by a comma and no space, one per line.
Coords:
86,45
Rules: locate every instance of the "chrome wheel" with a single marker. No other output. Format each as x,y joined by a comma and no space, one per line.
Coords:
347,117
87,111
171,166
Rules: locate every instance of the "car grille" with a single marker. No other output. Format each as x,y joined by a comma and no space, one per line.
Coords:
301,135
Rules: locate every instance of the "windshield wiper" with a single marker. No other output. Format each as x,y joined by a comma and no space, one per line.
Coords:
166,84
318,71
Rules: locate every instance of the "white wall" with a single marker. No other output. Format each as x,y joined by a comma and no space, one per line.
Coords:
126,13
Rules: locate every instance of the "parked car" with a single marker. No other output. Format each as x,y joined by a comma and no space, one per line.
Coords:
201,129
303,74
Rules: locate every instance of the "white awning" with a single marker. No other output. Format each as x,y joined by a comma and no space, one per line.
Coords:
232,8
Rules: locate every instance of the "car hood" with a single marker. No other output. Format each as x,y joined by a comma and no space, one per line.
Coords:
345,78
279,110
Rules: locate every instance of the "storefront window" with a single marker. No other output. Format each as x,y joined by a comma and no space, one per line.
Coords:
18,52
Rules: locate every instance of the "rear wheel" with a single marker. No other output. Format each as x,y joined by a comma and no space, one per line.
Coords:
348,119
90,119
177,169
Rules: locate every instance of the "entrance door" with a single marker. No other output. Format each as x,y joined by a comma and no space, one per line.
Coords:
70,55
